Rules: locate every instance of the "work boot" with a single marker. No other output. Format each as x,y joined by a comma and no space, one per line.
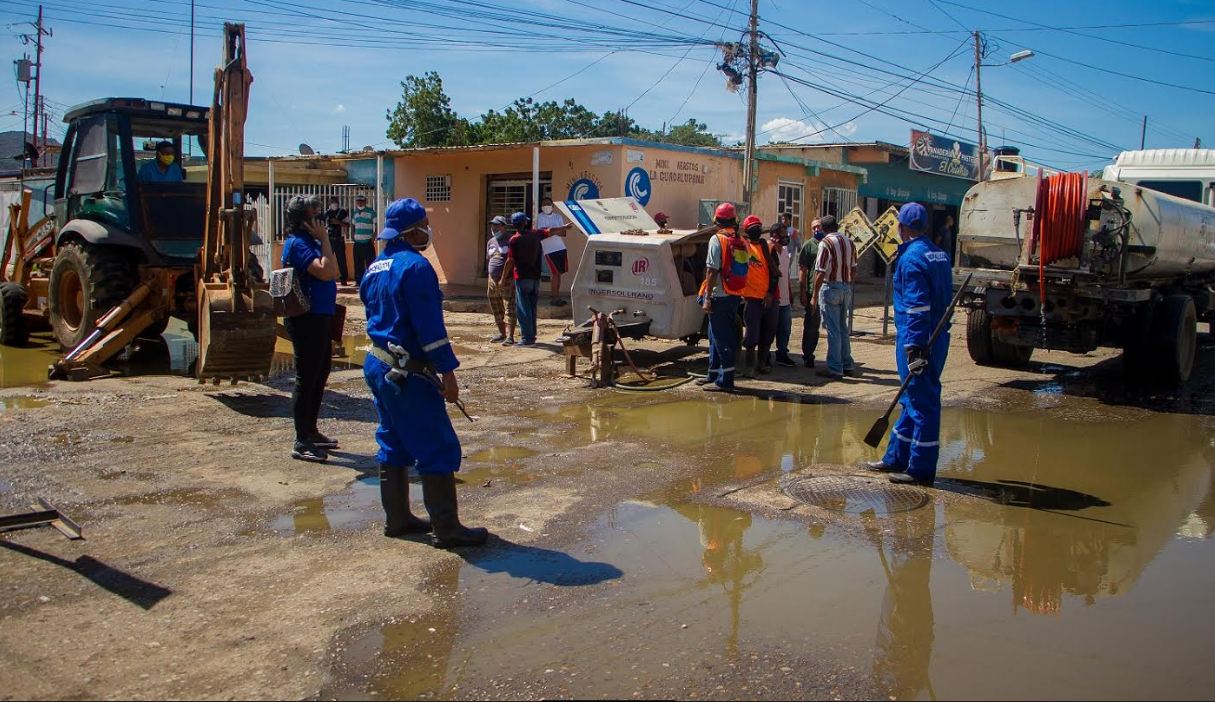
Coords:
908,479
703,381
747,368
439,494
783,359
763,363
879,466
394,494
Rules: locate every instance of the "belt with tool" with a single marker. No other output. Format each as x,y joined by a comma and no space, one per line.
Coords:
401,366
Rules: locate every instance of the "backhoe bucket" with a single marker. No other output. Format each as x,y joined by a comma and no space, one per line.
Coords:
236,333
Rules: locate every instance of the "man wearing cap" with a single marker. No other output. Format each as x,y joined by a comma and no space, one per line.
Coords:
164,168
362,218
411,371
727,267
524,261
501,291
923,288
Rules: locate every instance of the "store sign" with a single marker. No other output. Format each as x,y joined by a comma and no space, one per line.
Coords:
637,185
937,154
586,186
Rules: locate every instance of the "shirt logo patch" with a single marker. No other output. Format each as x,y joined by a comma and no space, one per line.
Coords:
379,266
936,257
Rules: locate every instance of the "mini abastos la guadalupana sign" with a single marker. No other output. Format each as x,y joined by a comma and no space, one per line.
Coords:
944,156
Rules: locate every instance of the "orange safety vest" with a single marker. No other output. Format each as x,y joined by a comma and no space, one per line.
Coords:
735,264
757,275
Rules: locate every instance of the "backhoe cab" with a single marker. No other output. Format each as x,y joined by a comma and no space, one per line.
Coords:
123,253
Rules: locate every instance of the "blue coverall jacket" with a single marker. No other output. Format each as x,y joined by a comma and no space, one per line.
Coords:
923,289
404,307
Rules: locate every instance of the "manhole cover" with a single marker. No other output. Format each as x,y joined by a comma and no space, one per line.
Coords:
854,495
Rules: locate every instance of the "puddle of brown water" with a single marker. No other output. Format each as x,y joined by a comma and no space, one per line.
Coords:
16,402
501,454
356,507
1104,594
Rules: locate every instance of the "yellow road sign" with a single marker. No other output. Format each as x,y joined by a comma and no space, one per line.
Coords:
856,226
888,240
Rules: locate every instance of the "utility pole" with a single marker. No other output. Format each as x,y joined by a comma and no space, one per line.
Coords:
979,98
191,52
1143,134
752,94
39,32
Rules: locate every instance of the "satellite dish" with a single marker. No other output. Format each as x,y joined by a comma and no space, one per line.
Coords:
306,150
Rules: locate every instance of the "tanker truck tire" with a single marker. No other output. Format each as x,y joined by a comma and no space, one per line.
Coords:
1175,340
14,331
86,282
1009,355
978,337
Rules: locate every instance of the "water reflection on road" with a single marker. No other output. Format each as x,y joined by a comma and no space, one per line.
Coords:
1063,556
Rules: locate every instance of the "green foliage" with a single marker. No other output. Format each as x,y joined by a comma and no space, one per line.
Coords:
424,118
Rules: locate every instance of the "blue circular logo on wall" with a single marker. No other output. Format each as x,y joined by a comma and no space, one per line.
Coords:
584,189
637,185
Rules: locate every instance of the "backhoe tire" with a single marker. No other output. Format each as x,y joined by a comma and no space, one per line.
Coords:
14,331
1174,340
86,282
978,337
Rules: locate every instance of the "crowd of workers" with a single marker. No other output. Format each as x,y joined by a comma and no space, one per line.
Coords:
747,295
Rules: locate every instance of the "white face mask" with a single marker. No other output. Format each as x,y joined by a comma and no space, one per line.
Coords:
547,209
429,235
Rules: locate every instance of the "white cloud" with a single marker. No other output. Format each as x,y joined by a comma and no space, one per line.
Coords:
339,109
788,129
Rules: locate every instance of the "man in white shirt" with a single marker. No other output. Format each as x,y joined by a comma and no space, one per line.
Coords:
555,254
784,290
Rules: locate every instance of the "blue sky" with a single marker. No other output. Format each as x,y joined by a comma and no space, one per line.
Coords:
319,65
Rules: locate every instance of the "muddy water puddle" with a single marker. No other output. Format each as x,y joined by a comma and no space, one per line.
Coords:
1080,551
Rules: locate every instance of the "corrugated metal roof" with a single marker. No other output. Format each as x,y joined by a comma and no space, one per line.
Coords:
1167,157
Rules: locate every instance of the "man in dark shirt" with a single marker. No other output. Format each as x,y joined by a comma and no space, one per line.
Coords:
525,261
336,221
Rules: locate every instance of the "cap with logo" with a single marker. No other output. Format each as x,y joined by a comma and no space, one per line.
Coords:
914,216
401,216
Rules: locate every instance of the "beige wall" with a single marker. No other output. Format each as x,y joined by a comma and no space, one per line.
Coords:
678,181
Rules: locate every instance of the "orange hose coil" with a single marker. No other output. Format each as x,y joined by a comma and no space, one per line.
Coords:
1060,217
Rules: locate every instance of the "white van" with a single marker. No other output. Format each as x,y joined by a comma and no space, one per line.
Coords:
652,275
1186,173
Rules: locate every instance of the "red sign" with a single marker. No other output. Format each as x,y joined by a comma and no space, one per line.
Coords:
641,265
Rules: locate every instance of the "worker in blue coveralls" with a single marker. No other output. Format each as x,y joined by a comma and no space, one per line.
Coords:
923,290
411,372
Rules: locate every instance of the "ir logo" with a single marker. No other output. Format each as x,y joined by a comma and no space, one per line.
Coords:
641,265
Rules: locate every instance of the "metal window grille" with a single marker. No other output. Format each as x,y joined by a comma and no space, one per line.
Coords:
789,201
438,188
838,201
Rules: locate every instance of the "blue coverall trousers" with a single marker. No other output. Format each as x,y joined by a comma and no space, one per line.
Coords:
723,339
915,440
414,426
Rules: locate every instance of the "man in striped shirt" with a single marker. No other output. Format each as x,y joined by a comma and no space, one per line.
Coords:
833,273
363,219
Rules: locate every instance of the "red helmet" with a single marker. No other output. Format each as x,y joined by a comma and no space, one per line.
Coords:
751,221
725,211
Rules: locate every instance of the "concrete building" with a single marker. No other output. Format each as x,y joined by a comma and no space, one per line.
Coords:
464,187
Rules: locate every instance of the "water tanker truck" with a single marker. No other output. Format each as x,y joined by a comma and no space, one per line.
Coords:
1070,262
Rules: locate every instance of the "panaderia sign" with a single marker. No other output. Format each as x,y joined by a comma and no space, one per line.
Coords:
936,154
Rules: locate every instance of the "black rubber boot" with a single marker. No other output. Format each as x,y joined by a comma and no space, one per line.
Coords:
439,494
394,494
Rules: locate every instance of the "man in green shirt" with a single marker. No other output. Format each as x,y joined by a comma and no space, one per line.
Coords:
813,319
363,220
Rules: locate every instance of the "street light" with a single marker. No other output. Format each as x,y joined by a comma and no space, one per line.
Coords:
1018,56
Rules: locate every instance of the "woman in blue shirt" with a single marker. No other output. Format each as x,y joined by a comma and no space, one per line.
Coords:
309,252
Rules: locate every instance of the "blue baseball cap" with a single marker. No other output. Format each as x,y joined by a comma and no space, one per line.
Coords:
518,219
400,216
914,216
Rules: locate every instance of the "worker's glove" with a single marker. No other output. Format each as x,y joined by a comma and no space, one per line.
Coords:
917,360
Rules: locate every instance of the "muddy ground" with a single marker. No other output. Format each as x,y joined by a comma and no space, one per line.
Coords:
215,566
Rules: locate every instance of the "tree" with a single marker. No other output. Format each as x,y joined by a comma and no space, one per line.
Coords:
424,116
691,133
527,120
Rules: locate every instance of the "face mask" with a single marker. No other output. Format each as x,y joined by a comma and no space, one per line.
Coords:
165,159
333,205
426,244
818,235
547,209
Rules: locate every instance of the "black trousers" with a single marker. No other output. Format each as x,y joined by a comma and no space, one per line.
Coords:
364,254
339,249
810,331
310,338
